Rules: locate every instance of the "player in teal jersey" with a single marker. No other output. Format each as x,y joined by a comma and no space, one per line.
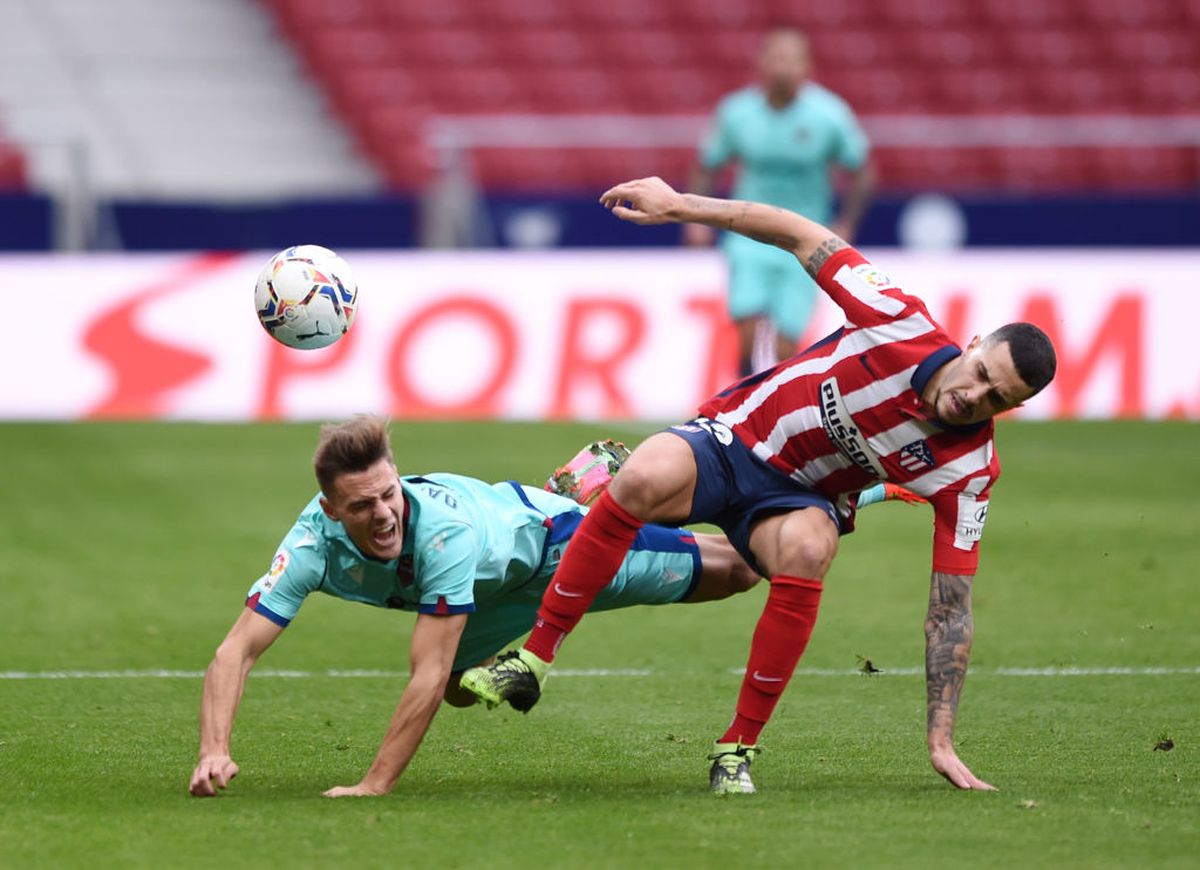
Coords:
471,559
785,135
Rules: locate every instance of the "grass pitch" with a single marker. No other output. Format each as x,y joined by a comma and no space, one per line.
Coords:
131,546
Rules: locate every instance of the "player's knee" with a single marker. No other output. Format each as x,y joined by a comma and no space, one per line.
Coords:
805,543
808,558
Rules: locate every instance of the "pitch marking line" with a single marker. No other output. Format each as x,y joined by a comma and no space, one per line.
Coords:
597,672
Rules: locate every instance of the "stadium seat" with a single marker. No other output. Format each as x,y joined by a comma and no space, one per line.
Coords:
12,167
389,63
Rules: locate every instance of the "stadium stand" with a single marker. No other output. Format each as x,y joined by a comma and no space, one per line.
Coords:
170,99
390,65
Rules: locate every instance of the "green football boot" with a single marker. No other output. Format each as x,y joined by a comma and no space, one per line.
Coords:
516,677
730,772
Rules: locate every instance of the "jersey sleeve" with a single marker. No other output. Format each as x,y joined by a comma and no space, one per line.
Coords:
717,147
445,569
865,294
958,518
297,569
851,145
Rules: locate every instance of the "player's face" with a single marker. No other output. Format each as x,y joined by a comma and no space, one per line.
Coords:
981,383
370,506
784,62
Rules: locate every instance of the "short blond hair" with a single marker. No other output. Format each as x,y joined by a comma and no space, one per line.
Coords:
352,445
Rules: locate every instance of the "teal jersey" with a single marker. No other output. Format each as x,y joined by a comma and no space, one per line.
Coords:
465,543
784,155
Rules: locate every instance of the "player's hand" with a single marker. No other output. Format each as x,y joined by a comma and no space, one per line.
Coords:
698,235
212,773
643,201
946,762
360,790
895,492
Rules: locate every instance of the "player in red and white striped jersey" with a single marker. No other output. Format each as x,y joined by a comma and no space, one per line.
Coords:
776,459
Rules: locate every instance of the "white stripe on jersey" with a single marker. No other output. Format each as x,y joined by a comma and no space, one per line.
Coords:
809,417
858,341
865,293
817,469
939,478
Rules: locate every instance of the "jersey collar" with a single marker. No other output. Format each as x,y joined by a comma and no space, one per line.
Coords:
920,379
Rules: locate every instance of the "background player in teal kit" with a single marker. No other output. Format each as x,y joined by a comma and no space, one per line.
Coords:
471,559
785,135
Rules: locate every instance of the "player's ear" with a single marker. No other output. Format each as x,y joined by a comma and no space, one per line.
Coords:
973,343
328,509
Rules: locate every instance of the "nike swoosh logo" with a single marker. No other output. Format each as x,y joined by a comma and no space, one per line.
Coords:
565,594
759,676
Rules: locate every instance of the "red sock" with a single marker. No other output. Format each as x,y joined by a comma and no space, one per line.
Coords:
779,640
592,559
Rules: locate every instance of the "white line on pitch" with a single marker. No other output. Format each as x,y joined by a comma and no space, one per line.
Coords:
595,672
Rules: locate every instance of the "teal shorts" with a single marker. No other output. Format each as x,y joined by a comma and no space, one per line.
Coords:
767,282
662,567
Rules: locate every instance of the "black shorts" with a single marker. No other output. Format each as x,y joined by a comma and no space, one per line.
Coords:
734,487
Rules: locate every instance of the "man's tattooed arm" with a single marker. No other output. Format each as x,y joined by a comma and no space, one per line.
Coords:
948,630
825,250
763,223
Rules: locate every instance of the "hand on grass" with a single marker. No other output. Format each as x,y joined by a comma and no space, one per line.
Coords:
212,773
360,790
946,762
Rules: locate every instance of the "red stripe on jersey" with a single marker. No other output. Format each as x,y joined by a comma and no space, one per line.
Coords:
442,608
844,413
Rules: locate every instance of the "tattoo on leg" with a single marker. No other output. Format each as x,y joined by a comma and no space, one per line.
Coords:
824,251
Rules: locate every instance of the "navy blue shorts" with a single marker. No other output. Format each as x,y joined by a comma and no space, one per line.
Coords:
734,487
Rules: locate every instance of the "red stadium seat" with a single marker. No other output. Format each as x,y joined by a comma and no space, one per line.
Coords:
1054,47
12,167
1146,169
564,90
389,64
854,48
1153,47
941,48
1166,90
545,47
881,90
981,90
924,13
1075,91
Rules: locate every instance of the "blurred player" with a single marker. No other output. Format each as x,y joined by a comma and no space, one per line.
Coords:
786,135
470,558
776,459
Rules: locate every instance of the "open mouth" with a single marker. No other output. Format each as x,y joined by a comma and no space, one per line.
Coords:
385,536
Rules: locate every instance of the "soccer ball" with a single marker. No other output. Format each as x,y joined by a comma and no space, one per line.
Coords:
306,297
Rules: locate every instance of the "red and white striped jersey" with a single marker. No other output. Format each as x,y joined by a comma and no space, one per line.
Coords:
846,412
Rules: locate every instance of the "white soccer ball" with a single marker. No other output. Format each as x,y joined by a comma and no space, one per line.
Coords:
306,297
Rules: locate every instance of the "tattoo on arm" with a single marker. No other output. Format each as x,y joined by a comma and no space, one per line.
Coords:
735,216
948,630
824,251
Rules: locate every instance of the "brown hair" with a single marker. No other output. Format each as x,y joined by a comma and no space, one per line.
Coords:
353,445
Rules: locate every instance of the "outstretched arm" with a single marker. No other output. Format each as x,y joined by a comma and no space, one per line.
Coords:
434,642
948,630
223,683
653,201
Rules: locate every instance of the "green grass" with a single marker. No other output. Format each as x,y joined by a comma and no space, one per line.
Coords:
132,545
